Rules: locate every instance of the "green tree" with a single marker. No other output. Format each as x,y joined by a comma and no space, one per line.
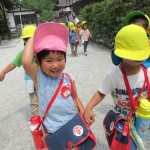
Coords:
108,17
43,6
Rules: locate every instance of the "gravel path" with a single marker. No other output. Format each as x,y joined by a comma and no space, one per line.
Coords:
14,101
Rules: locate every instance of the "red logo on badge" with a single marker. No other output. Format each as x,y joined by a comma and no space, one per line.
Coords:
78,130
65,91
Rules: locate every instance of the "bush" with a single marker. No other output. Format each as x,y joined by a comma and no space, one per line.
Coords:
105,18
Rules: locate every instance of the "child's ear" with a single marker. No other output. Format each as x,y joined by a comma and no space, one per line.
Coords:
37,61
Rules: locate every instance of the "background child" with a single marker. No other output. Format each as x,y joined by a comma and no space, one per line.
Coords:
27,32
133,52
85,35
73,39
78,27
138,18
49,44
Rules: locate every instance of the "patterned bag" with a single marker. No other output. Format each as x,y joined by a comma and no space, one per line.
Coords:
117,131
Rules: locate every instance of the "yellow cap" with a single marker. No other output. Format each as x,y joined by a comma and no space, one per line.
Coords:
143,109
131,42
28,31
73,28
70,25
83,22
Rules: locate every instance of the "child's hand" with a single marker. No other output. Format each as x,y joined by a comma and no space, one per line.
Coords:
81,111
2,76
89,116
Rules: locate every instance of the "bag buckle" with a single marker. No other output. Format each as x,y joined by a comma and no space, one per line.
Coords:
125,129
71,146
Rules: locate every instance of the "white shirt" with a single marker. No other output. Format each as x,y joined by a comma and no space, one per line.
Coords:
85,34
114,83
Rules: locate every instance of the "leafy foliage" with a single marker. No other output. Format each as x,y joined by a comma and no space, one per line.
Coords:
43,6
106,18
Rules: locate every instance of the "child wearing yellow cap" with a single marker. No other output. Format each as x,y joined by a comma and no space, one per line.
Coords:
73,39
85,35
140,19
27,33
132,46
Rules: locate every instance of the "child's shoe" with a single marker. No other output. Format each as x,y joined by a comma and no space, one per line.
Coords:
85,53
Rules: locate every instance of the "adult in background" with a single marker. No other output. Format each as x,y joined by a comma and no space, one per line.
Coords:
70,15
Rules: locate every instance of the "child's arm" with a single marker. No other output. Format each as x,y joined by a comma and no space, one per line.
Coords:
90,34
80,37
88,112
27,63
6,70
15,63
77,100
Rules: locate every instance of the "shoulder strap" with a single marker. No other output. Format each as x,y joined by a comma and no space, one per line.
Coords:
134,103
51,101
74,94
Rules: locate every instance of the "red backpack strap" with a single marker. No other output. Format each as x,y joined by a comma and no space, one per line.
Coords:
74,94
134,103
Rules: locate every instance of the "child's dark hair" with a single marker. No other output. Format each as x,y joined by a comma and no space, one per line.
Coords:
41,55
84,24
140,19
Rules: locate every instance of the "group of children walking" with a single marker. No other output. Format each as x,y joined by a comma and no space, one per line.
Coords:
49,47
78,34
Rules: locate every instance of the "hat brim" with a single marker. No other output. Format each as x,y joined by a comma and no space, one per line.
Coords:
146,63
131,55
50,28
115,59
132,14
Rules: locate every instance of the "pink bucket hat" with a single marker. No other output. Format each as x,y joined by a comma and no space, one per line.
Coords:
50,36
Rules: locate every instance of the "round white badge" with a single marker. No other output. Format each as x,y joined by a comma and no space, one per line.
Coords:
78,130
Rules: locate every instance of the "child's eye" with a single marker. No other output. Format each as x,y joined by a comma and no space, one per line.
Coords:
48,61
60,59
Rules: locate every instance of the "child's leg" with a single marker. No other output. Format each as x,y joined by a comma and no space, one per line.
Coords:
76,48
34,103
72,49
85,47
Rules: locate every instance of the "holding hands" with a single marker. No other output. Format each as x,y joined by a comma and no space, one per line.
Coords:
89,116
2,76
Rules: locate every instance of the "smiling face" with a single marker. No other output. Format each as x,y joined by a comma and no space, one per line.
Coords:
53,63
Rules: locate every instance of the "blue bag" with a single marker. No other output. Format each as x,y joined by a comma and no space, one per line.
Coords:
75,134
73,37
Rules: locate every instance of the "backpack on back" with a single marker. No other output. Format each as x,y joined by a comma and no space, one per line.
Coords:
73,37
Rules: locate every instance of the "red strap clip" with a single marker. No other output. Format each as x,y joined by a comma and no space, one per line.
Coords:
71,146
125,129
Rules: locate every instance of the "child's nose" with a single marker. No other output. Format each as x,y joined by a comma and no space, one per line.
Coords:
55,65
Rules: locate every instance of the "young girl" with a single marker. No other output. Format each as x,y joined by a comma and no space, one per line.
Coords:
50,46
133,52
85,35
